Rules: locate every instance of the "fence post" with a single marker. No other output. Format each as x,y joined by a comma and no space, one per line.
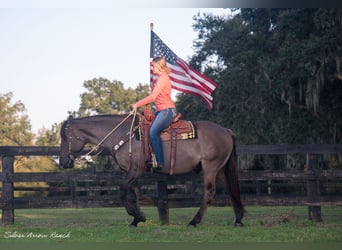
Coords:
162,202
313,187
7,190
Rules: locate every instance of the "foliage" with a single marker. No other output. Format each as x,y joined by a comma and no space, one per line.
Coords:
49,137
14,123
15,128
16,131
46,137
105,97
278,73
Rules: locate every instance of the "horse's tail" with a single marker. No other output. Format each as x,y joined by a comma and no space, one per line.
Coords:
232,177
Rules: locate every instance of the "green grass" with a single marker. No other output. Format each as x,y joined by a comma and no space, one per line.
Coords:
262,224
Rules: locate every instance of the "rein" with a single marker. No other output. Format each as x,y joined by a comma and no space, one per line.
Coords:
130,142
87,156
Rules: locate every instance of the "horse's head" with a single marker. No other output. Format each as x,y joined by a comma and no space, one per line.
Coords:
71,144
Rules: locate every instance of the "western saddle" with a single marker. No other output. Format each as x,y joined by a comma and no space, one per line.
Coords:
178,130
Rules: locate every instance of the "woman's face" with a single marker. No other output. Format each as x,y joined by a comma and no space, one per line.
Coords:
156,69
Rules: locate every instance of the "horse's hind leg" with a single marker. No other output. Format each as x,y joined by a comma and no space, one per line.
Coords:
238,216
222,181
209,193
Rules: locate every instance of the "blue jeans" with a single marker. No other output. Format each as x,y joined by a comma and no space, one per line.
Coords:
162,120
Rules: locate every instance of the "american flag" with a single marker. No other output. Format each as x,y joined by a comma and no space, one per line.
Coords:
183,77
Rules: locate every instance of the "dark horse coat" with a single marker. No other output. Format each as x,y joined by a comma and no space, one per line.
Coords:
213,150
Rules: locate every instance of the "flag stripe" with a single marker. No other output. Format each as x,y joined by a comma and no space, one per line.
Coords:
191,89
179,82
187,84
207,101
183,77
186,76
202,79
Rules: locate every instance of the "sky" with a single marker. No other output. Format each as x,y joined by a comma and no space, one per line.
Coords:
47,53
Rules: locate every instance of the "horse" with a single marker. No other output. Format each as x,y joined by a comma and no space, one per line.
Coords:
213,151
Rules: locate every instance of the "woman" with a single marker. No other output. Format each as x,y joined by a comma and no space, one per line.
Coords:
165,107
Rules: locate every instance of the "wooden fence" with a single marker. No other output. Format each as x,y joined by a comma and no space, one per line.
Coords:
75,188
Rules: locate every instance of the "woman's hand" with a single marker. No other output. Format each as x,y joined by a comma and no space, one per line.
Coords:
134,107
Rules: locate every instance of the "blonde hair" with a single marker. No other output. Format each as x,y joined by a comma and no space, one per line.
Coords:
161,65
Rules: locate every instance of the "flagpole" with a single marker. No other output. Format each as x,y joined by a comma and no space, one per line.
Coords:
151,54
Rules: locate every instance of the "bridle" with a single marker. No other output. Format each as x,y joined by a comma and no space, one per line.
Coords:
70,135
95,149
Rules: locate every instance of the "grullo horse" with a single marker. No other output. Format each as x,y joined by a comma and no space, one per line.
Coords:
213,151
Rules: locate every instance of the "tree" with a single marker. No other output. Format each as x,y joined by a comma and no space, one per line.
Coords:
106,97
16,131
49,137
278,71
15,126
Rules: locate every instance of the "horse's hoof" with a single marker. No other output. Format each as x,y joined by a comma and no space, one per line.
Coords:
132,225
192,224
142,218
238,224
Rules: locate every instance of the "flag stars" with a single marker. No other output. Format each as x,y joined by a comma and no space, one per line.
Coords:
160,50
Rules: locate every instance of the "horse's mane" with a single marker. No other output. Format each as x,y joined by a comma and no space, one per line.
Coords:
91,118
101,116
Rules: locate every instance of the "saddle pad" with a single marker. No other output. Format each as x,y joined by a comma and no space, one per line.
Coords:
182,130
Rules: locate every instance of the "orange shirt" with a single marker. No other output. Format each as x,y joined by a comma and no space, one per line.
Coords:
161,94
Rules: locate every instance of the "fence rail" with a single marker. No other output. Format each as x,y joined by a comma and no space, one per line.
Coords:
313,187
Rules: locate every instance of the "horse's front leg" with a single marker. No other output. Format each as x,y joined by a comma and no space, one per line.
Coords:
130,198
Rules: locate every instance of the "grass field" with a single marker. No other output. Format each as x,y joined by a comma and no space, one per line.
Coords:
262,224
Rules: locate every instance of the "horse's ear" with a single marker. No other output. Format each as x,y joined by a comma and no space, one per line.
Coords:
70,118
